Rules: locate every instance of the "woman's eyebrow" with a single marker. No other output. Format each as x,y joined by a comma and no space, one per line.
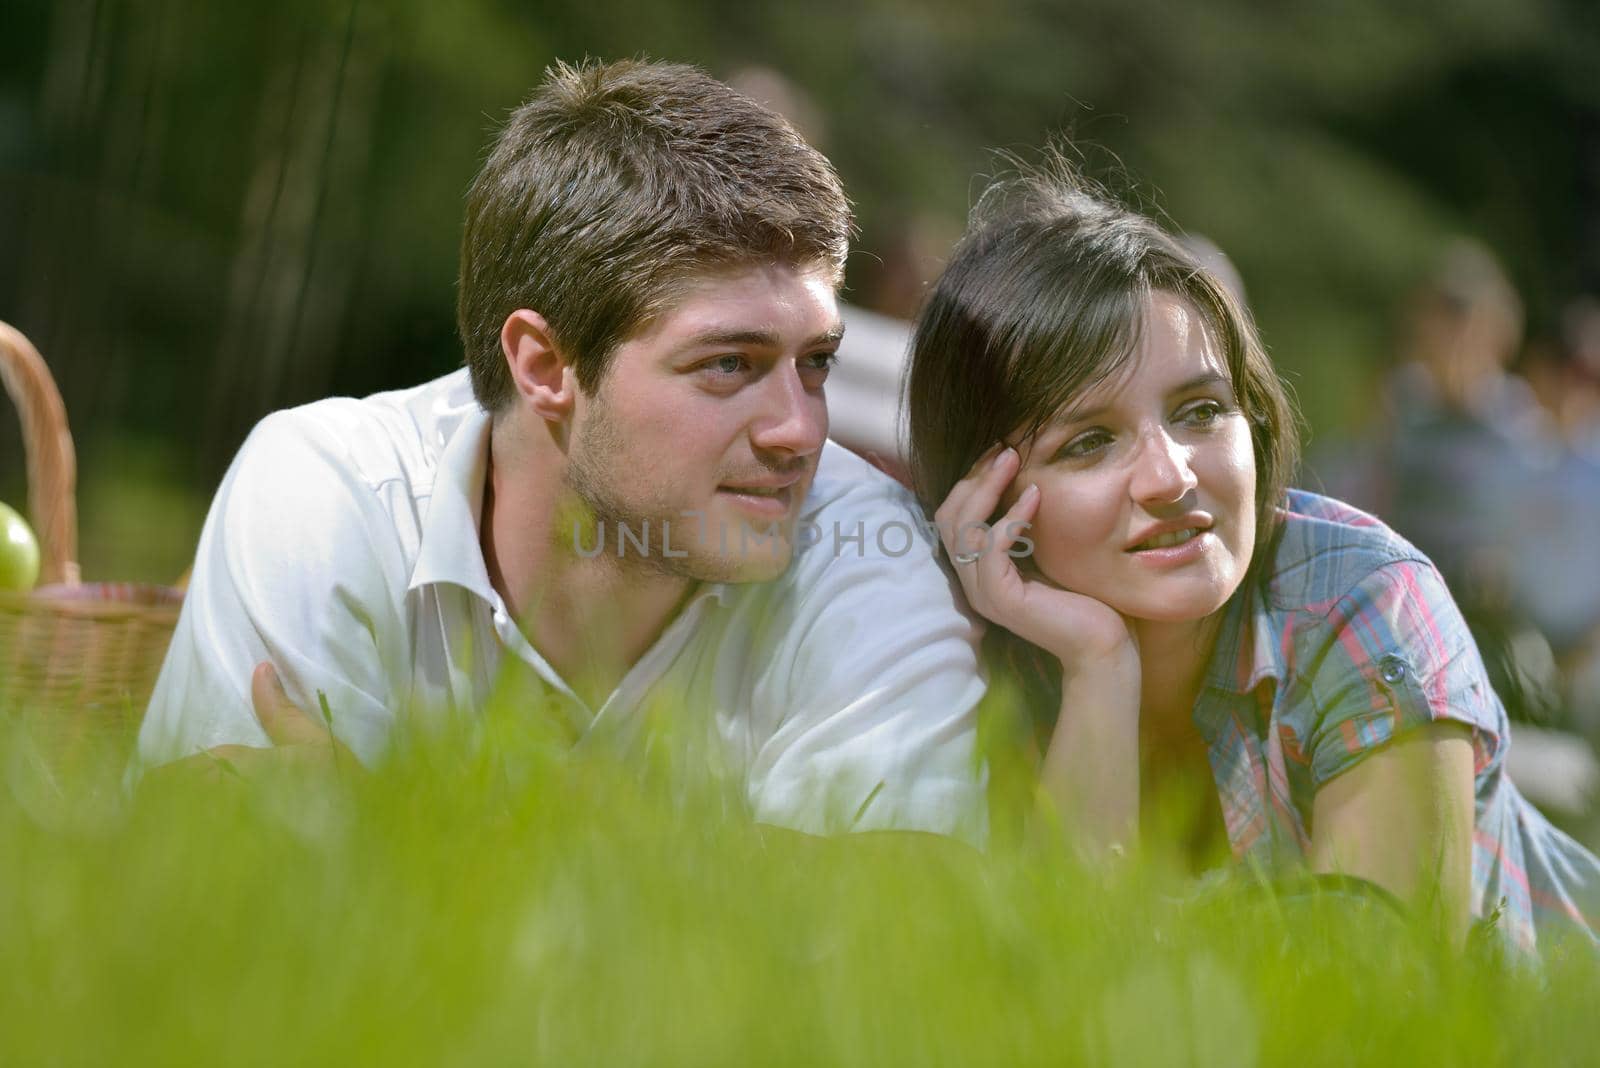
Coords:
1201,381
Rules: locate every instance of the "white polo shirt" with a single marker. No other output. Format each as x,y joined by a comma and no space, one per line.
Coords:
343,546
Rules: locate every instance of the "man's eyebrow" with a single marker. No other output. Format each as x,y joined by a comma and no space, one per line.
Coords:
765,338
734,337
829,337
1199,381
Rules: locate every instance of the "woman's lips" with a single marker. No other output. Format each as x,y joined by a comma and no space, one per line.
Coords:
1168,539
1171,555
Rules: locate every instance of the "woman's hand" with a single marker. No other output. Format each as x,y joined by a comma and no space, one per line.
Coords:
1077,630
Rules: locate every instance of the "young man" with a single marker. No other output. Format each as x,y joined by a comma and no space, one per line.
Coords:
626,501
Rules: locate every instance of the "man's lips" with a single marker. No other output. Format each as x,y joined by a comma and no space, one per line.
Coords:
770,504
768,486
759,491
771,498
1171,532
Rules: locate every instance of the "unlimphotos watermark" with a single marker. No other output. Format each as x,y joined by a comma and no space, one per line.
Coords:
660,538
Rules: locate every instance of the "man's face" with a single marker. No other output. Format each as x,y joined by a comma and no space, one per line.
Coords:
708,424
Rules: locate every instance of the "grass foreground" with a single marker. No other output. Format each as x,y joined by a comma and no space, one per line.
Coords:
487,898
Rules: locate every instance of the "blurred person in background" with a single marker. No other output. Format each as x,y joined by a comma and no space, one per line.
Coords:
1461,465
1558,563
1565,375
1107,449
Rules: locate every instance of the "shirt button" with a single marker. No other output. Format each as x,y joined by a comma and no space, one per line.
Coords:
1391,668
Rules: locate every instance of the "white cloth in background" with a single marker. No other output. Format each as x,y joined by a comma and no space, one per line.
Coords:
864,388
343,546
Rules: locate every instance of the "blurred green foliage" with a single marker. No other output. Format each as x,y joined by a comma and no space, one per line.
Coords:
211,211
486,897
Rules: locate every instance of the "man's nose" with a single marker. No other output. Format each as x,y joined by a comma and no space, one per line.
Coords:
793,419
1162,471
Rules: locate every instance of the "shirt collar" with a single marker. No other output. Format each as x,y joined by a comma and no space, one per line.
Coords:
1247,650
710,591
451,549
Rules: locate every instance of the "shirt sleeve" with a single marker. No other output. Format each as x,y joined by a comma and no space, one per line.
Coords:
1391,655
879,687
292,567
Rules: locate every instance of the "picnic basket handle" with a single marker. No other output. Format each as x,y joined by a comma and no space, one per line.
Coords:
52,465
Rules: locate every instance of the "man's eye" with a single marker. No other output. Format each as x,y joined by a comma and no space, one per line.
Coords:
820,361
730,364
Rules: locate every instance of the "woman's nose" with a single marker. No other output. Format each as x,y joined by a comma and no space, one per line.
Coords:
1162,471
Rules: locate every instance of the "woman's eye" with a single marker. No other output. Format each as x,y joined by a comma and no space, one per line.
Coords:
1084,445
1203,414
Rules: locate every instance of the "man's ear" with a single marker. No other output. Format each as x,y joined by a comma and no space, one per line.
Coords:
541,374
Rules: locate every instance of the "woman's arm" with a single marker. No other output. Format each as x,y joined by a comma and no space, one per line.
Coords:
1403,818
1091,770
1404,720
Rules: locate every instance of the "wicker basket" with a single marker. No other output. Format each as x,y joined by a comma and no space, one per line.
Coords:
78,657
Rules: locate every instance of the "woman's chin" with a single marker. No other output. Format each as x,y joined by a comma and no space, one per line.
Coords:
1187,606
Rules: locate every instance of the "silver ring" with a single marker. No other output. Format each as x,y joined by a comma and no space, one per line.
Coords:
966,558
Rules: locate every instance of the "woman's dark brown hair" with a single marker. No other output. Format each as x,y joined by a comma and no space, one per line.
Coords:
1042,300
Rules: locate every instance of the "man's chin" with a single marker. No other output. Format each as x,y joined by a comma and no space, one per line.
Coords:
763,569
760,557
749,554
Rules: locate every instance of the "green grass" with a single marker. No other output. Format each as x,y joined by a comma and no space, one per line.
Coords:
486,898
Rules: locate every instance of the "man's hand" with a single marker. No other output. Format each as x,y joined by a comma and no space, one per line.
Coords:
281,718
299,742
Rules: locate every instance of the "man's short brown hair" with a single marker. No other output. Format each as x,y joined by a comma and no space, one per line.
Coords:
612,185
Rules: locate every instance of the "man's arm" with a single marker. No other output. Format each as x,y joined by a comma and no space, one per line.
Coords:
292,568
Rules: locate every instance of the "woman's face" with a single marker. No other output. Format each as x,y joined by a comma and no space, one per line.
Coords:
1147,480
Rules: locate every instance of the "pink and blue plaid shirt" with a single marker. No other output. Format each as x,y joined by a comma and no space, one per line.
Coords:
1353,640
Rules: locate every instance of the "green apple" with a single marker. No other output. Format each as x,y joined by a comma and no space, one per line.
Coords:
19,553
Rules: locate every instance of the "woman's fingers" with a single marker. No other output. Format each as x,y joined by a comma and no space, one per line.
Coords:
981,553
997,558
962,518
995,570
962,490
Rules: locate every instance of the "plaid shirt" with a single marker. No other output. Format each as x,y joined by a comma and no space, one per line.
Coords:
1354,641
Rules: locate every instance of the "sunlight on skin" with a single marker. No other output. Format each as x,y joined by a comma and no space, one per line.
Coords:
1377,820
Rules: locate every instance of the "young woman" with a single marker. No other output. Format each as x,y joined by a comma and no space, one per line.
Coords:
1075,370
